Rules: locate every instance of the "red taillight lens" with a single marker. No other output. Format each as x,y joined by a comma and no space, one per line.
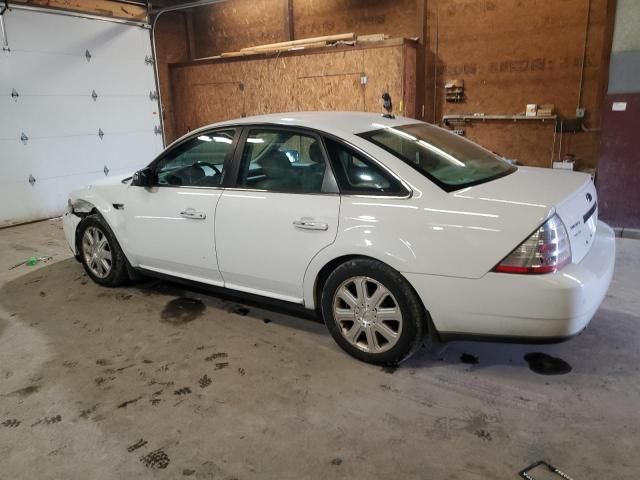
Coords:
547,250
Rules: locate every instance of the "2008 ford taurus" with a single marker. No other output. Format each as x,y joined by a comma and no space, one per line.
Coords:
392,228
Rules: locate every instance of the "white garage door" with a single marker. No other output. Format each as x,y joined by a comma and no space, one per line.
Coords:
75,106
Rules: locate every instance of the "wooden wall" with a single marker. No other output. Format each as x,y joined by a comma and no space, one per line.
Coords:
514,52
233,25
508,52
327,79
106,8
172,46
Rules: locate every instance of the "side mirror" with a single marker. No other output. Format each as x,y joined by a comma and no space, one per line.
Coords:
143,178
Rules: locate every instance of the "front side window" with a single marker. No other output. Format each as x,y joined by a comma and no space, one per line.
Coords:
358,175
283,161
199,162
451,161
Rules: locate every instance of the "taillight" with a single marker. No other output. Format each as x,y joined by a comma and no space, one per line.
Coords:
547,250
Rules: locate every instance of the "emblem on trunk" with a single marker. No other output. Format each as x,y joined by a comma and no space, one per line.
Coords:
589,197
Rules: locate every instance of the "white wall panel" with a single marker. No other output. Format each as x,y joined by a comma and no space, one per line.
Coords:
54,80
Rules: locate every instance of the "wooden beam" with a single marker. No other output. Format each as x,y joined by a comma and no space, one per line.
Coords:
302,41
106,8
191,44
289,19
421,60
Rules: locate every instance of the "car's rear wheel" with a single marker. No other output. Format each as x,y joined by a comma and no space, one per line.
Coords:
372,312
100,253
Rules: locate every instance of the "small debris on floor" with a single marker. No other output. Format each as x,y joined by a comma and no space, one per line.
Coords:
336,461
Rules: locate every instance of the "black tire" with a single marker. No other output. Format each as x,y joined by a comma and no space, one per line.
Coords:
118,273
414,322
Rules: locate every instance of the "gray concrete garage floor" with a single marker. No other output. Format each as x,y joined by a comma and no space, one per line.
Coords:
137,382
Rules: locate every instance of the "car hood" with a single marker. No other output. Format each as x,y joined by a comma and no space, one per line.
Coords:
112,180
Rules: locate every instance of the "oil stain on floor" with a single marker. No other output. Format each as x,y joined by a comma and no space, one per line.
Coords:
545,364
182,310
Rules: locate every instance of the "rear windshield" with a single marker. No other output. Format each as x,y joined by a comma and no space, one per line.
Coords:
452,162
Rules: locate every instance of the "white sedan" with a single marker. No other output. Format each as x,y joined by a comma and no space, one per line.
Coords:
391,228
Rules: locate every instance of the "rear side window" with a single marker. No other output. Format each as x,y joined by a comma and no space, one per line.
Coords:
283,161
358,175
450,161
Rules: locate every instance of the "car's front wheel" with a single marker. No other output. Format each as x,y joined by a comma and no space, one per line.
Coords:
372,312
100,253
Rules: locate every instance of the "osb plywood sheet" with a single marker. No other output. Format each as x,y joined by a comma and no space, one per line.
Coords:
410,82
323,64
510,53
230,26
325,17
106,8
171,47
384,68
320,81
336,92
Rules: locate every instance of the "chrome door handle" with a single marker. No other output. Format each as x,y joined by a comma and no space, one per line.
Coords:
307,223
191,213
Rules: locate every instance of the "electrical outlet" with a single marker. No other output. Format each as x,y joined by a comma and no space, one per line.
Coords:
459,132
580,112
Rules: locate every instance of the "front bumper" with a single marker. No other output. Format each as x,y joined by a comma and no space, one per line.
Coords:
528,307
70,223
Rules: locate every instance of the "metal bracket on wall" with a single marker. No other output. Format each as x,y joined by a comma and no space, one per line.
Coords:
14,94
87,55
94,95
106,171
23,138
157,130
32,180
153,96
148,60
100,133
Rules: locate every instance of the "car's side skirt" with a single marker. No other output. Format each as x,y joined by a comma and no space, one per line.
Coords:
259,301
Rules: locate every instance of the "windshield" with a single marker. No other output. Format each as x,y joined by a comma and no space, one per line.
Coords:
449,160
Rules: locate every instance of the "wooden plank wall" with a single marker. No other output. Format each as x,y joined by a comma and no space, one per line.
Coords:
511,53
327,80
508,52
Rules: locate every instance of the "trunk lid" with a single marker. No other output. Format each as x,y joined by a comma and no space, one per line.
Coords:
571,194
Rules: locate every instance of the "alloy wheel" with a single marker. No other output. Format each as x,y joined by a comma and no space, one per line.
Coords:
367,314
97,252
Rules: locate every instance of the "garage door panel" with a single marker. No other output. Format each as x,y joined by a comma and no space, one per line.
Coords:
33,73
54,108
47,116
100,38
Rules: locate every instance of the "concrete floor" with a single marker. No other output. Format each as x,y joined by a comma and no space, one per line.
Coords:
133,383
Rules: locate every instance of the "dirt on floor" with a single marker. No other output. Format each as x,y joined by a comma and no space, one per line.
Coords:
157,381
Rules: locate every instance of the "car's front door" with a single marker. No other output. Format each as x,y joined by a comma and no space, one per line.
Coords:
170,227
282,210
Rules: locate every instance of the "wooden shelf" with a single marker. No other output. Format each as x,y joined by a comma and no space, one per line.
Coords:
446,119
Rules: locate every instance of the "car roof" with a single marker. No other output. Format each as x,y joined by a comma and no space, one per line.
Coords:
336,123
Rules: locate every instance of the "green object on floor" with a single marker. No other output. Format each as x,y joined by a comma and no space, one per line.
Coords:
32,261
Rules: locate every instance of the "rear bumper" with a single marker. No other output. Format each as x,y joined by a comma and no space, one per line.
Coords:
528,308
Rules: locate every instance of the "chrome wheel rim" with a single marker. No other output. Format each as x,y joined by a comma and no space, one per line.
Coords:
367,314
97,252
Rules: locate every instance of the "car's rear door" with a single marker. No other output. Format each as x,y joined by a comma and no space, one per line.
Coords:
280,211
170,226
